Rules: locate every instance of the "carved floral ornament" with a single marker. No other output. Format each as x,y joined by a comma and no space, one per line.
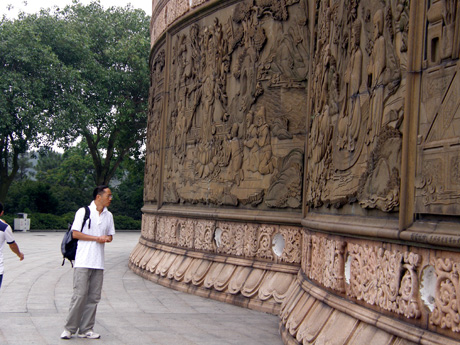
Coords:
275,243
395,280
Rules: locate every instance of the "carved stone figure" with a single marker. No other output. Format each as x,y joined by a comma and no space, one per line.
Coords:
223,147
375,70
348,125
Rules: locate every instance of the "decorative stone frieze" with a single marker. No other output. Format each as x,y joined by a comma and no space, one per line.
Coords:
385,278
236,239
344,114
309,315
325,261
446,313
408,282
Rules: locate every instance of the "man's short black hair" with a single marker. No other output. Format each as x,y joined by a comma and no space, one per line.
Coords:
1,207
99,190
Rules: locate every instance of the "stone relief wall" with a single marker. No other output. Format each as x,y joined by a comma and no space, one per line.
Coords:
357,101
299,105
153,152
438,141
249,86
237,107
235,113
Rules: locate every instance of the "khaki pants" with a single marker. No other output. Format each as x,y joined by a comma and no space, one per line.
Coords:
87,287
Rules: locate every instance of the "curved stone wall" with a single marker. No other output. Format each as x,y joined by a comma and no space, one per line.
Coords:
302,159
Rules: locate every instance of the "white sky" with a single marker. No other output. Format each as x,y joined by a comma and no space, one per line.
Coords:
34,6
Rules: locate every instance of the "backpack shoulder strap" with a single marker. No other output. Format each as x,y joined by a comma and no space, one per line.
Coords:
87,214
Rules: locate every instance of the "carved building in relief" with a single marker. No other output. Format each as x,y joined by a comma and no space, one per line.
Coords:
302,159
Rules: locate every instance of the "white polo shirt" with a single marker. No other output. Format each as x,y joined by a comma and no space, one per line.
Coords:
90,254
6,235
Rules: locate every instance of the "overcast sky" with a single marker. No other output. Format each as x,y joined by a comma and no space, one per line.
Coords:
34,6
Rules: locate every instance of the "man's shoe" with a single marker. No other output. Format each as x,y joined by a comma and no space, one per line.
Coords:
90,335
66,334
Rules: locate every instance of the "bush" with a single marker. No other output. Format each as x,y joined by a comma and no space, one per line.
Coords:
126,223
68,217
9,220
46,221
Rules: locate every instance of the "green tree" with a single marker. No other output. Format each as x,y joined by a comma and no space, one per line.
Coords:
106,54
70,175
129,193
31,196
30,76
26,166
78,73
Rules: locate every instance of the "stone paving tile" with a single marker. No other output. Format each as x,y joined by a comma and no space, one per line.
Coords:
36,292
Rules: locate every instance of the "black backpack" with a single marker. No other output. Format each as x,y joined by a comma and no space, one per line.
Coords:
69,244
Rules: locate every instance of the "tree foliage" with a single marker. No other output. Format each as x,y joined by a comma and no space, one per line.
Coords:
106,53
129,192
64,183
29,79
77,73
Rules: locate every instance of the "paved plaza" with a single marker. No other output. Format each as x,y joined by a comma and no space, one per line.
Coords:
36,292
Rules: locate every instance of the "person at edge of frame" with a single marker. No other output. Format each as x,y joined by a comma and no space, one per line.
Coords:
6,235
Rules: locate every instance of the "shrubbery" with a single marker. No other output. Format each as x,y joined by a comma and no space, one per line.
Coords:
126,223
46,221
8,219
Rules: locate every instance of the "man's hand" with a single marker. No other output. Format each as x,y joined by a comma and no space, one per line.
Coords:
21,256
103,239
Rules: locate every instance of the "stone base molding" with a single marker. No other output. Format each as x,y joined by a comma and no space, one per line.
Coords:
311,315
236,281
250,265
374,291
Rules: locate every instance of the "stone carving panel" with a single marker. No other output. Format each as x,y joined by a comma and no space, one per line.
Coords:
419,284
386,278
236,239
152,155
232,240
357,102
439,131
186,233
325,262
446,313
293,244
236,107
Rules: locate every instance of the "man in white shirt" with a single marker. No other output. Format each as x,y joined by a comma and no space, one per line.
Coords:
89,264
6,235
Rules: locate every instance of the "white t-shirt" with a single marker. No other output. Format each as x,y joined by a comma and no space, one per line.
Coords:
90,254
6,235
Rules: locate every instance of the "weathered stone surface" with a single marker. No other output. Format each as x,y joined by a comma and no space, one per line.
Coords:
302,158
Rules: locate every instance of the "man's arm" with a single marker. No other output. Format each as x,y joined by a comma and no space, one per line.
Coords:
15,249
85,237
